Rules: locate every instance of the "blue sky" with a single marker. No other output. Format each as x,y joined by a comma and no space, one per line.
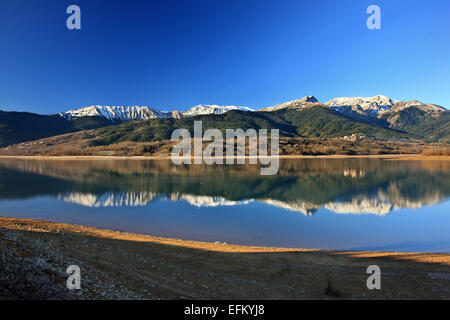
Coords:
175,54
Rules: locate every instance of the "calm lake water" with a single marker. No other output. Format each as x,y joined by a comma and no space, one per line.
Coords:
311,203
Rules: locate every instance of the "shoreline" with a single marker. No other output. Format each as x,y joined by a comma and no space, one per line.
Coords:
120,265
287,157
41,225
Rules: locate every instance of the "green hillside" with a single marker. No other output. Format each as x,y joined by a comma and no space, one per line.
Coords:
421,125
312,122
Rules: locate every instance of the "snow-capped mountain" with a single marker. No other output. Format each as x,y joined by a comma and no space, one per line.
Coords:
294,104
373,106
378,109
211,109
426,107
117,113
129,113
377,106
365,107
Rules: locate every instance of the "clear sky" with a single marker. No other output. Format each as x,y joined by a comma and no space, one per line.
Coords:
172,54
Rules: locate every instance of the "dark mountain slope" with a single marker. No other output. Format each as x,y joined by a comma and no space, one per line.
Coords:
18,127
23,126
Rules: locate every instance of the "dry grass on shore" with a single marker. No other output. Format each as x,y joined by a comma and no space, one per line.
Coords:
436,151
78,144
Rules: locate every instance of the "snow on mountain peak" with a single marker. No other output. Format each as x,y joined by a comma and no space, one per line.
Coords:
371,107
116,113
378,106
427,107
129,113
311,99
295,104
211,109
365,103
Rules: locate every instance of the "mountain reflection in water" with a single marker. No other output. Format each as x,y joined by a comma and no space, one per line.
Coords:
362,204
344,186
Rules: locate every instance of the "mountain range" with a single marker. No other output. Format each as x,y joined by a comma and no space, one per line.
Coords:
368,109
377,117
119,114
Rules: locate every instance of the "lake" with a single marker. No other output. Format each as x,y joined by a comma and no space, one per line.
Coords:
357,204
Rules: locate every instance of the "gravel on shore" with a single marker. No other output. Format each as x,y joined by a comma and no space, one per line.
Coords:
35,254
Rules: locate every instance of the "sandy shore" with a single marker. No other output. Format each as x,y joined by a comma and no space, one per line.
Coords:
422,158
167,157
117,265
